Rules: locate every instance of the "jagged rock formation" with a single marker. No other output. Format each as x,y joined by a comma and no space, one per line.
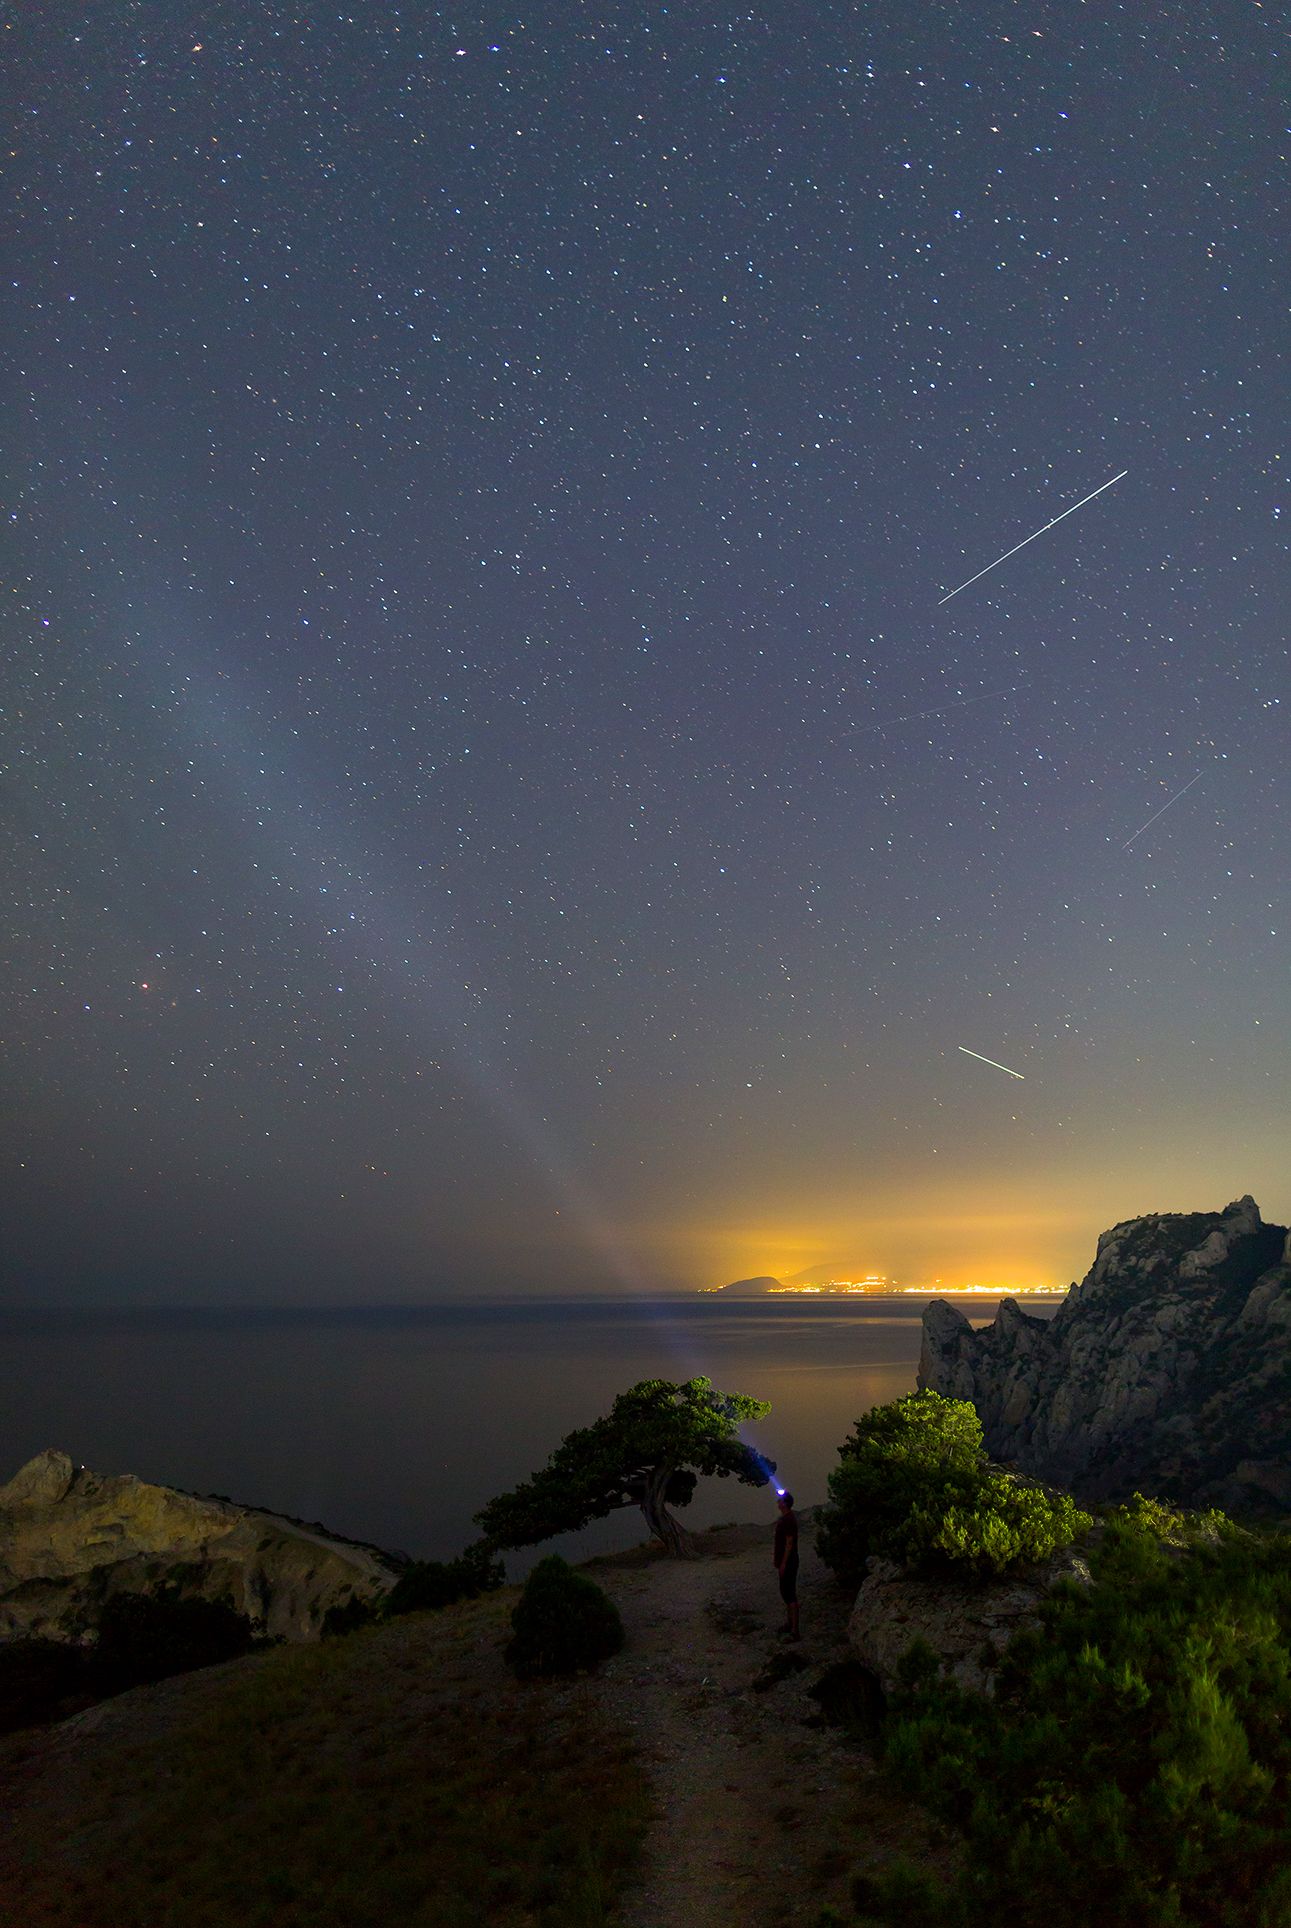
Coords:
70,1537
965,1623
1167,1371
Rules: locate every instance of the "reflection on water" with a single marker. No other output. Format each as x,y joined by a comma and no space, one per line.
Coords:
396,1424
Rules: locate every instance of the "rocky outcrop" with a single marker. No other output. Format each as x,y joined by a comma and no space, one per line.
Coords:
967,1624
1167,1370
69,1538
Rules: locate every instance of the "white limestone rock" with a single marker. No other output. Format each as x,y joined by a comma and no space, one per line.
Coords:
70,1537
967,1626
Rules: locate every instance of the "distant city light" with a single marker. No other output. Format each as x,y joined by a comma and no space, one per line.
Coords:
879,1285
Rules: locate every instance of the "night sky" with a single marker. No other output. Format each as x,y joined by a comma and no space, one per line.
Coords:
493,797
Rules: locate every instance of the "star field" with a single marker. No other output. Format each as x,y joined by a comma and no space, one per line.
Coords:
492,798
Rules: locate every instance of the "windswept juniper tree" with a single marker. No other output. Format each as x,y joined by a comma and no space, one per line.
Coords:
649,1450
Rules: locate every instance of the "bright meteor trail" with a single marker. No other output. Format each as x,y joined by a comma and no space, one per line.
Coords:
991,1061
1031,538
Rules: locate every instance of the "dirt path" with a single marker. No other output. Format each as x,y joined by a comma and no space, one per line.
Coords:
764,1812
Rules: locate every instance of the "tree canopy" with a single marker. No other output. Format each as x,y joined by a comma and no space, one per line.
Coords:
650,1450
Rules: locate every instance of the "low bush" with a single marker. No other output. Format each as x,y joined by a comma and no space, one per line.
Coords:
849,1696
423,1586
146,1636
1134,1764
427,1585
898,1893
913,1483
987,1524
562,1623
137,1638
349,1616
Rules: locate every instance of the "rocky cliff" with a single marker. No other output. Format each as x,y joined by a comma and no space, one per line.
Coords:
1167,1370
70,1537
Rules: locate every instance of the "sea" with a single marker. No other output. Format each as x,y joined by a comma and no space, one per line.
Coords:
394,1425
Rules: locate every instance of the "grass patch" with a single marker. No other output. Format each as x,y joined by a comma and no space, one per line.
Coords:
397,1776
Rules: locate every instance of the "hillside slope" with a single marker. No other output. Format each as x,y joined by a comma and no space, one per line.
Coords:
402,1777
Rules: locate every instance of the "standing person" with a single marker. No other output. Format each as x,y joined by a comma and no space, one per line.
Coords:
785,1556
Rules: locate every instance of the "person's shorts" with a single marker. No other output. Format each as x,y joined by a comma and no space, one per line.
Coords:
789,1581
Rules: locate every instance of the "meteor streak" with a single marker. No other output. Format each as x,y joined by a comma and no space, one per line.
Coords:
1161,812
991,1061
913,716
1031,538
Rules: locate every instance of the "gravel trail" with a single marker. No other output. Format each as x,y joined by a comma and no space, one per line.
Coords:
764,1811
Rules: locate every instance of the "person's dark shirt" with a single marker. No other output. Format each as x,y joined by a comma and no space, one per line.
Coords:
786,1538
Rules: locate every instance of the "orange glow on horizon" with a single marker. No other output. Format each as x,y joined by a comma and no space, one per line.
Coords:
976,1253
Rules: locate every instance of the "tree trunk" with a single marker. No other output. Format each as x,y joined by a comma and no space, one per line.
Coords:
662,1525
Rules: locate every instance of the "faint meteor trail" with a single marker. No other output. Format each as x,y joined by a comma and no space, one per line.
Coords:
1164,807
1031,538
913,716
991,1061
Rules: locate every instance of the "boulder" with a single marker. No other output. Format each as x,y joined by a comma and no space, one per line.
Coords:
43,1481
69,1538
967,1625
1167,1370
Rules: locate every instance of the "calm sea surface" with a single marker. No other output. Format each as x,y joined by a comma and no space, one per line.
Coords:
394,1425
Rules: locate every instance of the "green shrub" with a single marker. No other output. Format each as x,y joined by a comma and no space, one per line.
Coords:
423,1586
909,1453
849,1696
145,1636
989,1523
1133,1766
898,1893
1153,1524
562,1624
427,1585
349,1616
914,1483
138,1637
